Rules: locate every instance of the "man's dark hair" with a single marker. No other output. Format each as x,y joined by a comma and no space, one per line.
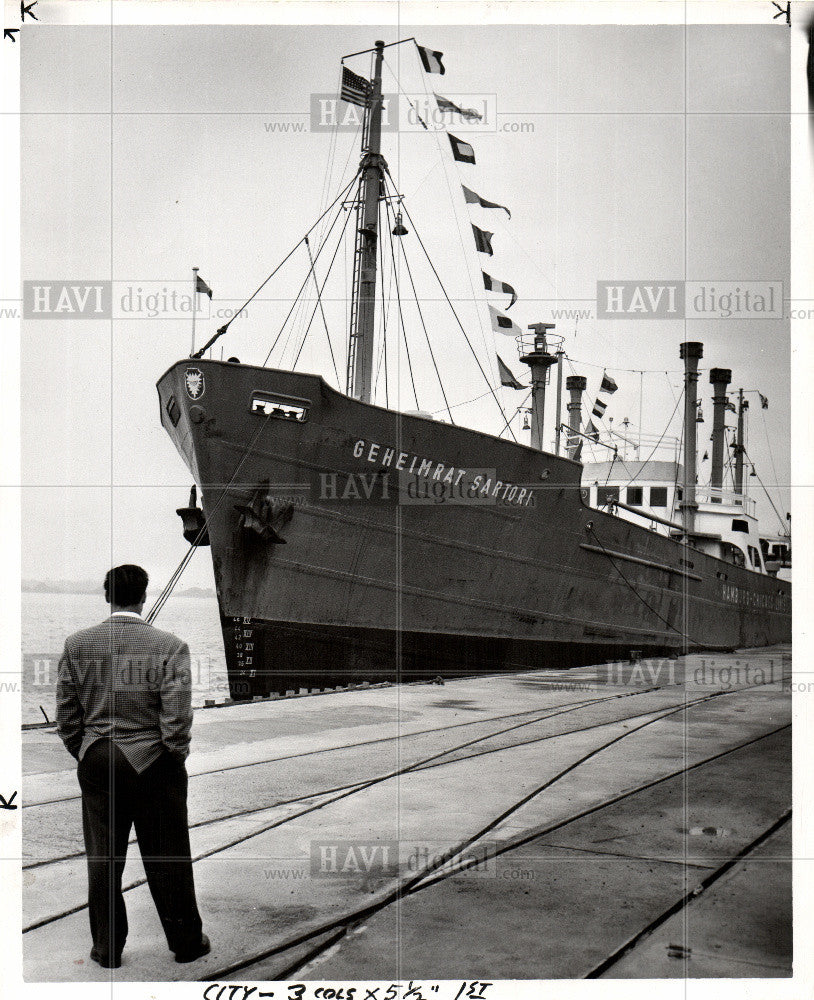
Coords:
125,585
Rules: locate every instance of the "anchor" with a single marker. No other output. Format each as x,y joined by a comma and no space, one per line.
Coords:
193,520
263,517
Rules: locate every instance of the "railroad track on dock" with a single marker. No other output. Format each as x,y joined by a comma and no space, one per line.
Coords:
344,791
433,761
340,931
683,902
399,737
340,926
343,928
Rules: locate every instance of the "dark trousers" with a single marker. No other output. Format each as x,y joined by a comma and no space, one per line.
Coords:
114,797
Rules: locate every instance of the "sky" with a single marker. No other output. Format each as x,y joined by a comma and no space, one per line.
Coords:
638,152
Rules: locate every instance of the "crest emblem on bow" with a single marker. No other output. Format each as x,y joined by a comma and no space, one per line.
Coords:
194,381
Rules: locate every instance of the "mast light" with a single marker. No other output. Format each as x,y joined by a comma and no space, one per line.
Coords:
399,228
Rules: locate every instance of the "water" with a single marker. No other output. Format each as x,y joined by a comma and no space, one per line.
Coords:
48,618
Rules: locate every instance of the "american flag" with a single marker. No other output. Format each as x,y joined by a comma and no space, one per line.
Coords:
355,89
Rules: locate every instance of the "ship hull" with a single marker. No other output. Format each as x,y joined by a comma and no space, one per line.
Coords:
353,543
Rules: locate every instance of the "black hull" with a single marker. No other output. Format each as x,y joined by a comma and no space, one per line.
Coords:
289,657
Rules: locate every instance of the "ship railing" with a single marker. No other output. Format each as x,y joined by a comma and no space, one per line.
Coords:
547,343
729,498
647,448
653,447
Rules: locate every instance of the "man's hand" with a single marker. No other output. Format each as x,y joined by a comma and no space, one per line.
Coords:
70,715
175,717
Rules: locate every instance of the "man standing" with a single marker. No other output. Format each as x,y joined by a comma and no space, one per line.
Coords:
124,710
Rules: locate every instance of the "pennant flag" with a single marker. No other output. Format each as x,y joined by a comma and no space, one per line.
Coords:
201,286
468,114
461,151
431,61
608,385
483,240
502,324
472,198
599,408
764,402
578,452
591,431
355,89
491,285
506,375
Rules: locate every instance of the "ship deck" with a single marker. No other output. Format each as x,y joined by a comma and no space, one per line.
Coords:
622,820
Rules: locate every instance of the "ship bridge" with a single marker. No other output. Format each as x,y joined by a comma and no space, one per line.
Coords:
649,487
650,492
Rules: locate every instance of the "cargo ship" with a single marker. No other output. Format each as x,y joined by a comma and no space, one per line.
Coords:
353,542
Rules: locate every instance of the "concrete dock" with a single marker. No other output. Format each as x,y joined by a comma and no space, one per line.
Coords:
620,820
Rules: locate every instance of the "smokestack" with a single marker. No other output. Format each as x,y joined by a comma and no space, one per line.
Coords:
691,352
720,379
575,384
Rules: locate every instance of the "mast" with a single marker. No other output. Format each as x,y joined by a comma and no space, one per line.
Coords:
558,427
743,405
194,307
691,353
363,309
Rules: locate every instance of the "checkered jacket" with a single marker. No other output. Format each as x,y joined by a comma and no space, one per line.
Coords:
127,681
